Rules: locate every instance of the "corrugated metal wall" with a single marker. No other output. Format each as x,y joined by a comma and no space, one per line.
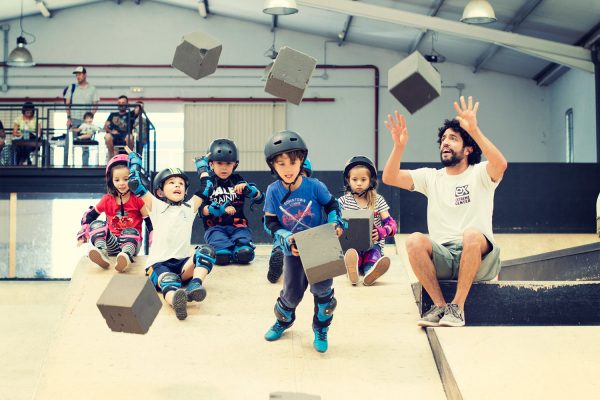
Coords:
248,125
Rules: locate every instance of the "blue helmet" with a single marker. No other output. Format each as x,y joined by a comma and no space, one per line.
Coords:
307,167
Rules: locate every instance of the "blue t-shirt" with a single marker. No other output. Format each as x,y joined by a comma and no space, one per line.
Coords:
304,207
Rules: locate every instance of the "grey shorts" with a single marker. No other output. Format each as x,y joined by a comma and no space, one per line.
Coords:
446,259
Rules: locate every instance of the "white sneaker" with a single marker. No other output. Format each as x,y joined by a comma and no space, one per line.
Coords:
122,262
379,268
351,261
99,257
453,316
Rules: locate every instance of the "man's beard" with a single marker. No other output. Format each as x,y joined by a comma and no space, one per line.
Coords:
452,161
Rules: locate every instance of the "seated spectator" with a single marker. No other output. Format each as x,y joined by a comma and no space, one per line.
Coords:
144,131
118,127
27,128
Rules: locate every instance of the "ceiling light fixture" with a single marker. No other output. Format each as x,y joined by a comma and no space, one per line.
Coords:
280,7
42,8
20,56
478,12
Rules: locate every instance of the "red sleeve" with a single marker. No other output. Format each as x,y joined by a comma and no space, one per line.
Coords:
139,202
101,206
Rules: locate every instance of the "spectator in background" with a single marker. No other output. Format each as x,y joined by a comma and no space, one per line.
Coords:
2,138
118,127
85,99
143,133
27,128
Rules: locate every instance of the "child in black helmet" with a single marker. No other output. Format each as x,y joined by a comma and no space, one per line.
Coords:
169,264
223,194
360,184
276,258
295,203
120,235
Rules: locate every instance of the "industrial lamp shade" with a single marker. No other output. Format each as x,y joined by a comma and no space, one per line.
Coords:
20,56
280,7
478,12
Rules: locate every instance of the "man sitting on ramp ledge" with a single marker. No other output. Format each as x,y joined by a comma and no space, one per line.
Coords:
459,210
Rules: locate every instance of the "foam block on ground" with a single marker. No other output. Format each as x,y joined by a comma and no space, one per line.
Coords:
320,252
290,74
129,304
197,55
358,235
414,82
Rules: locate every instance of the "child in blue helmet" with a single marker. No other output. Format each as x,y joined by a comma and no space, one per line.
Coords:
223,193
295,203
120,234
360,185
169,264
276,258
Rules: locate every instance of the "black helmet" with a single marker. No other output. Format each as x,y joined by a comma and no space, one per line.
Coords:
165,174
223,150
282,142
365,162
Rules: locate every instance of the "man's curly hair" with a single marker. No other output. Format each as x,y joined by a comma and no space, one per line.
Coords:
473,157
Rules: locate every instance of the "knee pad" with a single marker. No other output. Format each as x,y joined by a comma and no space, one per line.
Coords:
204,256
371,256
223,256
284,314
324,308
98,230
169,282
243,254
130,235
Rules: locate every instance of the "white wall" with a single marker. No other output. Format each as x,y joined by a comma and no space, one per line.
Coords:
514,112
575,90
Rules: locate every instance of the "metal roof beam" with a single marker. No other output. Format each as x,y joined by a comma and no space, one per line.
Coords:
344,33
513,25
572,56
432,13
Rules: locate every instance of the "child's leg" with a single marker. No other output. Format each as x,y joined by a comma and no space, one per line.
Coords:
294,285
104,243
169,283
201,264
375,265
275,263
243,250
218,238
129,242
352,259
325,304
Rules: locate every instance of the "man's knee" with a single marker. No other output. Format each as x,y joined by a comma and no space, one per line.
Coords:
417,243
473,238
108,139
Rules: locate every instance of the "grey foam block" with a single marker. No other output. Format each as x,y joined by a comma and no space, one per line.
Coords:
197,55
320,252
414,82
129,304
358,235
290,74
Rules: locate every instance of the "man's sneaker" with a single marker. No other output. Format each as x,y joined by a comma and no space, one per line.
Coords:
379,268
275,265
180,304
276,331
351,261
123,262
432,317
320,342
99,257
453,316
195,291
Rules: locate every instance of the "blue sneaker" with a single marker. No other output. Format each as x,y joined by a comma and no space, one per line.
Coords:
320,342
195,291
276,331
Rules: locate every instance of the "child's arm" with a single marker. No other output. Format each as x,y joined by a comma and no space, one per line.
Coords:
334,215
250,191
284,237
388,226
137,180
89,216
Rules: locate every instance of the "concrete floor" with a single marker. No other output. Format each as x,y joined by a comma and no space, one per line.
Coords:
57,345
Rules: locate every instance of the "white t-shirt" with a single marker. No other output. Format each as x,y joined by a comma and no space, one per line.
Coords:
457,202
172,231
347,202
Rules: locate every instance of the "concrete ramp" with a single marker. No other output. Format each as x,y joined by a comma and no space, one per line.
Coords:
376,350
518,362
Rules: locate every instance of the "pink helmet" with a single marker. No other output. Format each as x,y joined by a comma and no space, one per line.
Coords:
116,160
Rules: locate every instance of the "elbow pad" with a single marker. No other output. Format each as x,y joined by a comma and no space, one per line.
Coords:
271,224
390,226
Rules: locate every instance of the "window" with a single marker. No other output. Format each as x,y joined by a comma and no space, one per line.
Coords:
569,135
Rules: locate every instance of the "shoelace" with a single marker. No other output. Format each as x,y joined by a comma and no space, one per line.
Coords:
454,310
322,335
278,327
432,310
